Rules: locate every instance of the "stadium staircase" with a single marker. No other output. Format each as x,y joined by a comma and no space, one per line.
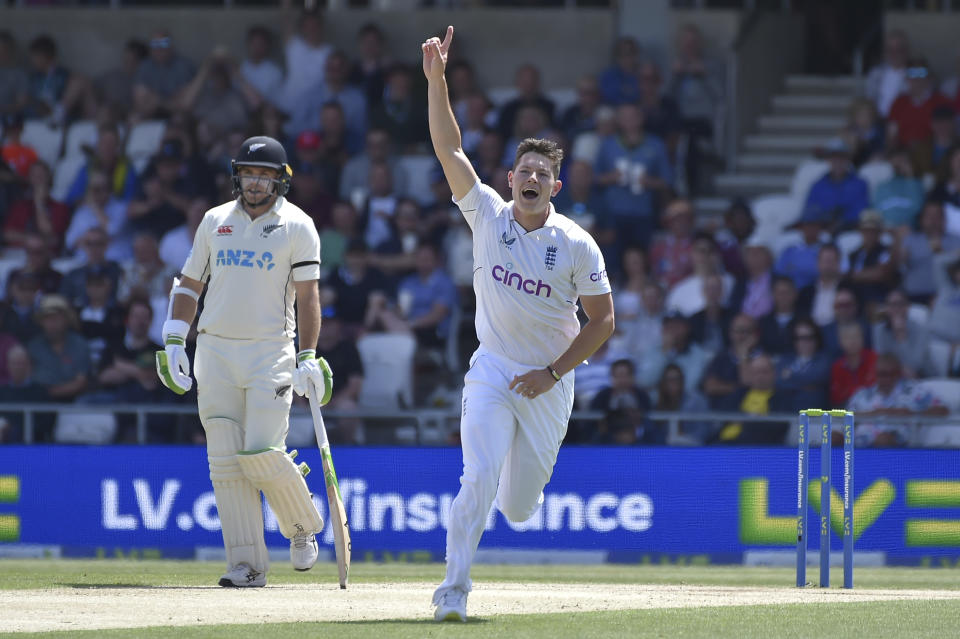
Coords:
809,111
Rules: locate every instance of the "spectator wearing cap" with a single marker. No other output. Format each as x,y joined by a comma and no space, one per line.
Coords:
100,318
16,312
687,295
162,203
620,82
864,132
115,86
918,249
17,155
726,373
37,213
897,333
676,347
53,90
758,396
105,212
14,86
671,254
18,386
911,113
872,271
355,177
891,396
213,98
93,246
931,154
855,368
776,327
38,264
803,370
818,296
840,194
753,294
944,320
107,157
888,80
59,354
900,198
161,76
738,226
258,71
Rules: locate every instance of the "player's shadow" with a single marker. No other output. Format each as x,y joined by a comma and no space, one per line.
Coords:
128,586
426,621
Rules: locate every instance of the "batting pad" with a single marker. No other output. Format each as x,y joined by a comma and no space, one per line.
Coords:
238,500
273,471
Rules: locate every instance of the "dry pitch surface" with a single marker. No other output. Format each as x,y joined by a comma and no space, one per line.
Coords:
101,607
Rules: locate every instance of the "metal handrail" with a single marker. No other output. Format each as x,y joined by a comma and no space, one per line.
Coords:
427,417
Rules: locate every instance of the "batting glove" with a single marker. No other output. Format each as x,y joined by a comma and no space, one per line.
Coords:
173,365
313,371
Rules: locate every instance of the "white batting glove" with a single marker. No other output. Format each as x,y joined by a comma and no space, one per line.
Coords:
313,371
173,365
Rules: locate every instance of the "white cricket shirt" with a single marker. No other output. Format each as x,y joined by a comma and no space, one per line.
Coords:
527,283
250,266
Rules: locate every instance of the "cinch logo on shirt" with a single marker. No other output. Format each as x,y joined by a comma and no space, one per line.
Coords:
225,230
246,259
598,277
516,280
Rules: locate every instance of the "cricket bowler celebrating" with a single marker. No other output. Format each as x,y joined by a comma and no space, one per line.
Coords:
256,254
530,266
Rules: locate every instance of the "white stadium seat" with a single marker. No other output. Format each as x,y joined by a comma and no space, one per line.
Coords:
875,173
44,139
808,172
64,173
388,370
81,133
418,169
779,210
144,141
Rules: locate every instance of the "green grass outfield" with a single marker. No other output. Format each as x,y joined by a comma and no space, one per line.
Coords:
917,617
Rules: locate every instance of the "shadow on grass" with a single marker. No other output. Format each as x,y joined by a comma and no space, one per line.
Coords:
426,621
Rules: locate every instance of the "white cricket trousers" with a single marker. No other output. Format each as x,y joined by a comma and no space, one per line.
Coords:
247,382
510,446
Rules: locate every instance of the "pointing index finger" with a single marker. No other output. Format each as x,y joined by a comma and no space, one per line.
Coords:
445,45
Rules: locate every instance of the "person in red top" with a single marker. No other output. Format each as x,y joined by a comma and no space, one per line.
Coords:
37,214
671,257
912,111
16,154
855,369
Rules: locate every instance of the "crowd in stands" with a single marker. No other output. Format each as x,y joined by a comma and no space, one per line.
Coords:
708,315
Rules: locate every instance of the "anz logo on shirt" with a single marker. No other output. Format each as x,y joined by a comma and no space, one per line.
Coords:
245,259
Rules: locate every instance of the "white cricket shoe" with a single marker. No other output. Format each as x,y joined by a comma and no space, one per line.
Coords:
303,551
451,605
243,576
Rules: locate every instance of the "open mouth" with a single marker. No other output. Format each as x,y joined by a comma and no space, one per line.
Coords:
529,193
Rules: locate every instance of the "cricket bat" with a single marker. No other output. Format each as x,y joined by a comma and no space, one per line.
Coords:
338,516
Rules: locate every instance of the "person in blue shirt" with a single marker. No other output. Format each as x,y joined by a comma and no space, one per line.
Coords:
620,82
427,298
799,261
633,168
841,193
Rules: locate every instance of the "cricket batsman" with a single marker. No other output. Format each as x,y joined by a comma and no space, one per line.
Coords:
256,255
531,264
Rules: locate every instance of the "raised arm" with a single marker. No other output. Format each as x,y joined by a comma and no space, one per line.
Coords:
444,132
